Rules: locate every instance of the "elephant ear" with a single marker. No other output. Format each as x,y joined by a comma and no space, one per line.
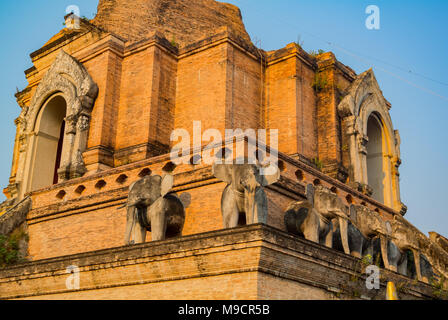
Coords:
269,175
388,228
353,213
310,193
166,184
223,172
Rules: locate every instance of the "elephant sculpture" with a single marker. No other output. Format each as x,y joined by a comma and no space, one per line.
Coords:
150,207
322,219
244,193
399,260
301,218
406,240
426,271
370,234
331,207
406,263
358,244
371,225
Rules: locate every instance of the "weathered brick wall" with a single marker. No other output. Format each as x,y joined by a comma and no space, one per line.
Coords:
244,89
254,262
136,103
150,88
291,101
281,109
327,117
184,21
332,79
202,89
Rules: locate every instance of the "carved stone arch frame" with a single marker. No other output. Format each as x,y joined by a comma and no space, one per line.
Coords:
363,100
67,78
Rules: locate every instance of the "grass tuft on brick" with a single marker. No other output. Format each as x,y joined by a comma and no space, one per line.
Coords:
10,249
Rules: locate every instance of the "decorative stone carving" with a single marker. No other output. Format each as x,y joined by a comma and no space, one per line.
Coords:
150,207
363,99
330,206
301,218
362,144
396,238
83,122
244,193
68,78
318,217
371,225
361,187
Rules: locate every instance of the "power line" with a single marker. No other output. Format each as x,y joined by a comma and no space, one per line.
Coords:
396,76
403,69
358,56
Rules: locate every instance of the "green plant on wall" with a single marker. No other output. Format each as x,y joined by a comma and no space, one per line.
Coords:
402,287
320,82
367,260
10,249
439,288
315,53
173,42
318,163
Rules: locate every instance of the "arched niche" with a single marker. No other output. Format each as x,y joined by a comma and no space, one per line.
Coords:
376,174
374,146
49,140
66,80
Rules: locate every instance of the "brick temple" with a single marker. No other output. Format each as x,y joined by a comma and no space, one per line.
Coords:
97,115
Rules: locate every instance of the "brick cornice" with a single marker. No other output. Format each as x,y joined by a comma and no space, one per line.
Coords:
258,248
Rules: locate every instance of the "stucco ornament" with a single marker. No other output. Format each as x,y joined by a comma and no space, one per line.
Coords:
69,78
364,98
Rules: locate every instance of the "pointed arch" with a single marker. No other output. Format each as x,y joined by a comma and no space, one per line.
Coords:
374,146
68,80
49,141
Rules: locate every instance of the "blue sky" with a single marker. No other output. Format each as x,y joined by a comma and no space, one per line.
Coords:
412,37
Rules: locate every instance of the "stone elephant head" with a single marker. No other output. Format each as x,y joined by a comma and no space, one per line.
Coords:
150,207
406,239
301,218
148,189
331,208
371,225
244,193
410,263
398,244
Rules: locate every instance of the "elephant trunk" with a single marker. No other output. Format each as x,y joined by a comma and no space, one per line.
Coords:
343,228
418,269
129,225
156,213
249,197
384,253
